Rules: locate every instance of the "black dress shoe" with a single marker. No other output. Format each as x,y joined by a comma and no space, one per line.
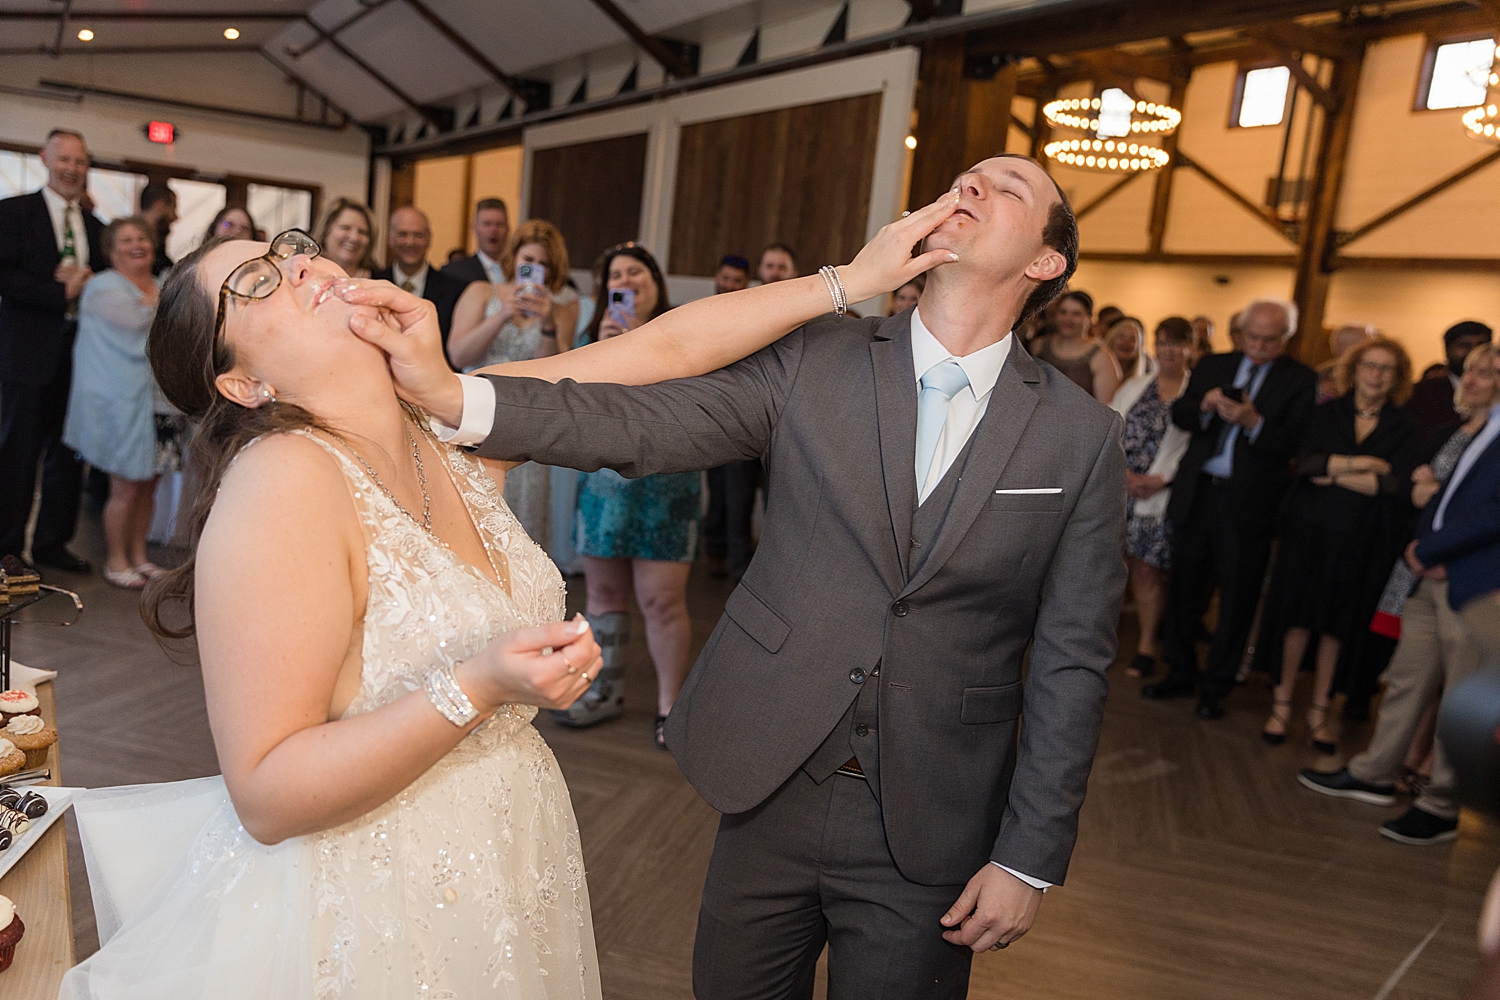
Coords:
1343,785
62,559
1169,687
1209,707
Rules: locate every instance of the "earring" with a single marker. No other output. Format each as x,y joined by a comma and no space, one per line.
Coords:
269,395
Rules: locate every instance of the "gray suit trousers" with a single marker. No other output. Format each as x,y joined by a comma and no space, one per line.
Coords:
810,865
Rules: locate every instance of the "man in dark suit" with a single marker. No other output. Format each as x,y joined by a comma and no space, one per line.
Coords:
857,712
49,246
491,230
410,240
1246,410
1431,402
159,209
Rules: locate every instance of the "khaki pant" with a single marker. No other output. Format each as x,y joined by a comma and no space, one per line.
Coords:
1434,654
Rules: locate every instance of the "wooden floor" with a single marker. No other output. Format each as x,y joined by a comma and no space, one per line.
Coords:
1203,870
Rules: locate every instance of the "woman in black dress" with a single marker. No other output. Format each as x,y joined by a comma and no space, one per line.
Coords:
1341,526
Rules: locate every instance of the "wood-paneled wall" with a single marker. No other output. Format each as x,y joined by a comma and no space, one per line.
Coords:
798,175
591,192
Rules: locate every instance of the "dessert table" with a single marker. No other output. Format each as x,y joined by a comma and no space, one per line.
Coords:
38,885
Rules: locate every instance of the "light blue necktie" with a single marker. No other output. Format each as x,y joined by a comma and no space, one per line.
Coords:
939,385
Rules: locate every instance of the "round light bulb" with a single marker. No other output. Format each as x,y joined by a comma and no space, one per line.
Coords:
911,142
231,33
85,35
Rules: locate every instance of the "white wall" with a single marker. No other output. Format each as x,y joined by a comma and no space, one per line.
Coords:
337,161
892,74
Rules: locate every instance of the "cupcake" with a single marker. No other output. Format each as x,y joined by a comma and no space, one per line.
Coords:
11,759
11,934
14,703
30,735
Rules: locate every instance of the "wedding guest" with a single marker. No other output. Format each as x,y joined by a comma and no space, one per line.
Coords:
908,295
112,421
1246,411
491,233
347,237
1431,403
1453,560
778,262
635,533
727,540
231,223
516,321
1203,336
1125,339
409,238
732,275
1153,449
1107,317
454,256
1341,525
159,209
49,245
1350,335
1080,357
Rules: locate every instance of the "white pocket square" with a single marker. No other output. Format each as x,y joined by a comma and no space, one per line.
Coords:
1051,489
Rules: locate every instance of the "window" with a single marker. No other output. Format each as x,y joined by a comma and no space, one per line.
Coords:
20,173
197,204
277,209
1263,96
1115,107
1456,74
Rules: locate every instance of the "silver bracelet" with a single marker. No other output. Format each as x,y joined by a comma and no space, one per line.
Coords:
442,689
830,275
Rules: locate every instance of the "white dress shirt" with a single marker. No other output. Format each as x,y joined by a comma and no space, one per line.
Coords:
967,407
61,209
418,280
965,410
491,267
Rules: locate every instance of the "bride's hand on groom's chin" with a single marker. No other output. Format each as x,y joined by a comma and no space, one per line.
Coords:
407,331
996,909
549,666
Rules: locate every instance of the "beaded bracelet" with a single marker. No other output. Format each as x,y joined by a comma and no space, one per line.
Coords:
830,275
442,689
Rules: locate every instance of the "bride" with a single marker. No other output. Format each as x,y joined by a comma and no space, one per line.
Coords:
376,632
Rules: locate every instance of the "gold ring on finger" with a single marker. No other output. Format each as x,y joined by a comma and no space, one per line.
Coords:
585,676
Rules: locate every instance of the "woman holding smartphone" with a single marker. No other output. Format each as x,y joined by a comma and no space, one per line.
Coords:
519,321
634,533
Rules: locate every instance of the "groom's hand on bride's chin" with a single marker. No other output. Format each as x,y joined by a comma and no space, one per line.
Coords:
995,909
408,333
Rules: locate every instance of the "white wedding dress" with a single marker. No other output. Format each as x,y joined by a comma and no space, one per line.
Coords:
468,883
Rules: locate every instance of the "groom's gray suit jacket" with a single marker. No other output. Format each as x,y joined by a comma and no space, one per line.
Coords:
1029,551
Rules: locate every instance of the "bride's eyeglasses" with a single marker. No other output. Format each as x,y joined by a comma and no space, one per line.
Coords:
261,276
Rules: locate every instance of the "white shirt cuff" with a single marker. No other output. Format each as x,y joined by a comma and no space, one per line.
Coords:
478,417
1035,883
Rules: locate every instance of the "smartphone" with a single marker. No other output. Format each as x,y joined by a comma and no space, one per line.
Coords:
1234,393
622,305
531,278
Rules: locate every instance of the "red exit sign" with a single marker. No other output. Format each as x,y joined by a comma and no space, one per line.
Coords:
162,132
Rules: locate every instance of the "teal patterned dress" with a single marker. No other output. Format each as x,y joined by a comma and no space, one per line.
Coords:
654,517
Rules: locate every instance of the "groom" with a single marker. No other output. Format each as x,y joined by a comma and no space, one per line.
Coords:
939,504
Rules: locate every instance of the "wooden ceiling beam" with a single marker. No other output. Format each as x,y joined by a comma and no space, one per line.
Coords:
149,15
428,115
517,88
654,47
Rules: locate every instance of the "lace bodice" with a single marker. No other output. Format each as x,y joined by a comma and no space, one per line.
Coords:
490,825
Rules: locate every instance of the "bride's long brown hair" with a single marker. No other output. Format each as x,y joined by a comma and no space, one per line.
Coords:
187,354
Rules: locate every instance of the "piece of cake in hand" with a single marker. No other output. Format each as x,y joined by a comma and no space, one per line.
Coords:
19,577
16,702
11,930
31,736
11,758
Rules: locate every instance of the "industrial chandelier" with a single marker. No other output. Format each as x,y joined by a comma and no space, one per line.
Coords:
1118,126
1483,122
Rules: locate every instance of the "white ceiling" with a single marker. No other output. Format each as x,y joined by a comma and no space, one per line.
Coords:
518,37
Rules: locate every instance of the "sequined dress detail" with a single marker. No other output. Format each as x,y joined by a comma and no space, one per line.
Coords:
468,883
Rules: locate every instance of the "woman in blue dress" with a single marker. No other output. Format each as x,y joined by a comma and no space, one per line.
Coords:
635,533
113,418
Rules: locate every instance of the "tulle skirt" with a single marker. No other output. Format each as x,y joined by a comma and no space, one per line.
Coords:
467,884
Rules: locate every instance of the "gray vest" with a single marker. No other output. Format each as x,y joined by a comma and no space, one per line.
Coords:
855,734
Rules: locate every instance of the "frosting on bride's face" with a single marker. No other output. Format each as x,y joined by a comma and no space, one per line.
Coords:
298,334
